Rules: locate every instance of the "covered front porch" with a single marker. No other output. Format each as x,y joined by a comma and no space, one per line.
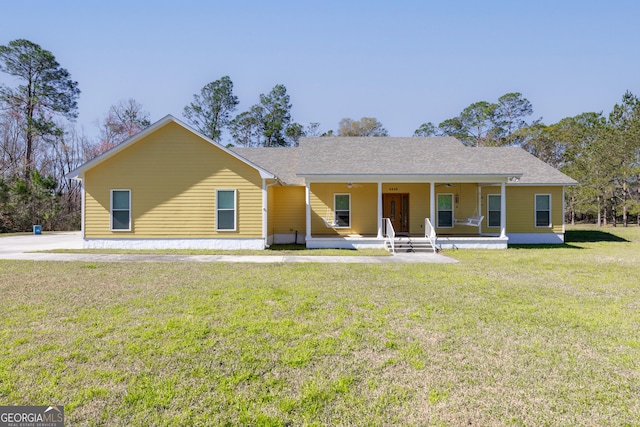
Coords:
445,213
399,245
441,242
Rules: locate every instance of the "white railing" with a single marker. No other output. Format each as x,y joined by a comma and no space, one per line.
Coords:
390,234
430,233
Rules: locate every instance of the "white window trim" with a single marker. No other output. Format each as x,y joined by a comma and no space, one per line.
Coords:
499,210
335,215
235,209
535,211
111,210
453,222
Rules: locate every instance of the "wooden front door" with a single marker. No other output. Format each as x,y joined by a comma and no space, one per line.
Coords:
396,207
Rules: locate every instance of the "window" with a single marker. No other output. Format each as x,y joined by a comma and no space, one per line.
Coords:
445,210
342,209
493,210
121,210
226,210
543,210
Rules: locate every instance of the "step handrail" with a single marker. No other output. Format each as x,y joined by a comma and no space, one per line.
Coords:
430,233
390,234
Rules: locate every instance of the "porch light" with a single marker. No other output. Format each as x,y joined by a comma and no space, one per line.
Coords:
349,185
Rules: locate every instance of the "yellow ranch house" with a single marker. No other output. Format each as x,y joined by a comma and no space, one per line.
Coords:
171,187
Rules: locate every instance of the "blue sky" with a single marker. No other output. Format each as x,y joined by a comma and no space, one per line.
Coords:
404,62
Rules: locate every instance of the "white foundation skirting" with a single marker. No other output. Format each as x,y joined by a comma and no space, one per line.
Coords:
344,243
226,244
536,238
471,242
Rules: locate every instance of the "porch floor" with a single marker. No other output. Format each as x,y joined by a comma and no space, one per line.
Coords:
443,241
413,236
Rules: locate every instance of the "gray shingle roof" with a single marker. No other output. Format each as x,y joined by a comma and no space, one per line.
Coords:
420,156
446,156
534,170
281,161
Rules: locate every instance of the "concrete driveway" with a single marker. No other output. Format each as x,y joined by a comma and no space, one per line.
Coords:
23,247
13,245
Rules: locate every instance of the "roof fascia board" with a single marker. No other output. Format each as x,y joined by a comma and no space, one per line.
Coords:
541,184
494,178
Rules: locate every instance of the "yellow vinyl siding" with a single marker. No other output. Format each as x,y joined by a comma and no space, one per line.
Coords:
364,205
287,210
465,205
521,209
173,176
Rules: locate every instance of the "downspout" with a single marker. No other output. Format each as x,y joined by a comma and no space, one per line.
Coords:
432,203
503,210
82,209
307,199
379,209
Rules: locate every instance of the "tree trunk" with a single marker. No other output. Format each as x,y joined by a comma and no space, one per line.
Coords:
624,204
28,153
28,157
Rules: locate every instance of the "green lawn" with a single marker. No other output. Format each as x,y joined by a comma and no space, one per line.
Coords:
525,337
275,250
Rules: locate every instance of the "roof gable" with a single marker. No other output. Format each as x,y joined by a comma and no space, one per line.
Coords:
360,157
79,172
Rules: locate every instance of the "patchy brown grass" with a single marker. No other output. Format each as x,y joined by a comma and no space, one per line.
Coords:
275,250
519,337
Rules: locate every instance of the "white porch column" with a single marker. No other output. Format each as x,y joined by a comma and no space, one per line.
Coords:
503,210
480,207
432,203
307,198
380,210
563,214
